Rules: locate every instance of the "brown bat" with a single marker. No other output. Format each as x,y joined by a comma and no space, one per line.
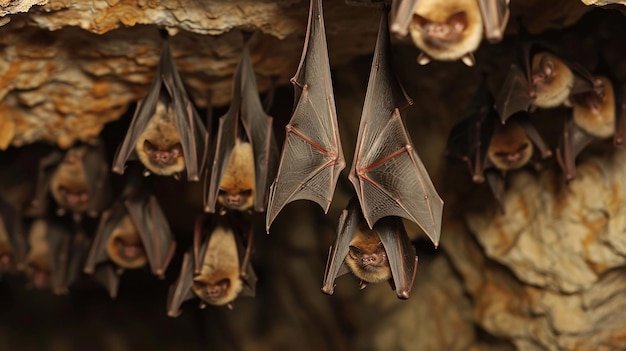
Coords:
77,181
166,133
387,173
55,256
382,254
593,116
12,241
132,234
450,30
490,148
246,153
312,158
217,270
545,81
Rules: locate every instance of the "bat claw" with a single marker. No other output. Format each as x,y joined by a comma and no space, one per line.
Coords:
202,305
146,173
469,59
230,306
363,284
423,59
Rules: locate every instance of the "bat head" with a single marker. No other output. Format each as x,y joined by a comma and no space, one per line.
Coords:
551,79
68,184
125,247
237,185
595,113
367,258
159,146
509,148
219,288
38,269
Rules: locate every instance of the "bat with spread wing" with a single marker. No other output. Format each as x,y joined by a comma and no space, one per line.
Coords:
217,270
312,158
246,153
382,254
132,234
55,256
450,30
166,133
387,173
77,180
543,80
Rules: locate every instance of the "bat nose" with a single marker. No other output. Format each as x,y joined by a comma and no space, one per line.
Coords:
369,260
213,291
163,157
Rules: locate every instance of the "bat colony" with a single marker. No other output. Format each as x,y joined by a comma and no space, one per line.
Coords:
243,172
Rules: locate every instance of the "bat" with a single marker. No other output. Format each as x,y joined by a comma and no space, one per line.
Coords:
382,254
77,181
593,116
166,132
12,242
387,174
217,269
312,158
492,149
133,233
55,256
545,81
246,153
450,31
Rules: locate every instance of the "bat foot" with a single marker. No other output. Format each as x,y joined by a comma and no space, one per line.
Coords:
423,59
469,59
146,173
478,178
328,290
363,284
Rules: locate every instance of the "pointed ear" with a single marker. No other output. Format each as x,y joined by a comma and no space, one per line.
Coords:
547,66
457,21
421,21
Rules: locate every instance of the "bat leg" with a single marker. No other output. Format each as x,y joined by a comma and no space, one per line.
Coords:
534,136
469,59
363,284
423,59
246,258
197,242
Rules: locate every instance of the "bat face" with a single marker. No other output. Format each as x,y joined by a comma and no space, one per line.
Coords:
551,79
367,258
509,148
237,186
447,31
38,270
68,184
219,281
595,114
159,146
125,247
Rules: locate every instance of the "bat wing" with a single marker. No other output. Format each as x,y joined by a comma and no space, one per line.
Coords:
107,277
244,251
400,252
258,126
181,291
495,14
533,134
46,168
12,219
154,230
335,265
60,245
573,141
249,282
401,14
312,158
620,115
193,135
98,182
516,94
386,171
98,252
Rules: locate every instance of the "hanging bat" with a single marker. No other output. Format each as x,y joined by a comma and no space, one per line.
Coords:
132,234
382,254
545,81
166,133
452,30
55,256
312,158
77,181
593,116
217,270
387,173
246,153
12,241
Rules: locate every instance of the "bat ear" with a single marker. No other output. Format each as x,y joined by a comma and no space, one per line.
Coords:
458,21
421,21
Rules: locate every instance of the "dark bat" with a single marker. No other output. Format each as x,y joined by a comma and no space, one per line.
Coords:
450,31
166,133
246,154
55,256
312,158
77,181
382,254
13,246
132,234
217,270
387,173
543,80
593,116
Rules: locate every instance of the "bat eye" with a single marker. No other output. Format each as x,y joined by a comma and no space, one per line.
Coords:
523,147
355,252
148,146
246,193
380,249
222,192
